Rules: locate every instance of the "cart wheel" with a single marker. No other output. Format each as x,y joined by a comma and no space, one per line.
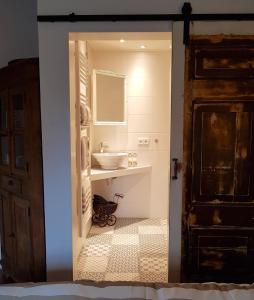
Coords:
111,220
95,219
100,220
103,221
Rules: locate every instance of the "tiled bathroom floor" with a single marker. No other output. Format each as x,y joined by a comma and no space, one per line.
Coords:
131,250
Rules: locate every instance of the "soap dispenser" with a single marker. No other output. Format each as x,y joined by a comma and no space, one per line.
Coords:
130,160
134,160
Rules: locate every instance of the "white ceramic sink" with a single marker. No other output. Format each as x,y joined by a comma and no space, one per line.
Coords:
109,160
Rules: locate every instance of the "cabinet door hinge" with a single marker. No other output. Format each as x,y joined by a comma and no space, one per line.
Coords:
27,167
29,212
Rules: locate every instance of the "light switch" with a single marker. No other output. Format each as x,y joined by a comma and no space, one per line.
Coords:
143,141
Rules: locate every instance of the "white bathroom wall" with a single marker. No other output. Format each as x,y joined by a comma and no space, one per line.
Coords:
148,96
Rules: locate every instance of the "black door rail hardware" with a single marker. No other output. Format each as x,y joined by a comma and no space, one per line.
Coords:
185,16
186,11
175,168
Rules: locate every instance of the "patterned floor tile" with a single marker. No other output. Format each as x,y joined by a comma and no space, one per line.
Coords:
95,230
125,239
149,229
81,261
95,264
164,229
123,222
95,276
166,238
153,277
122,277
100,239
127,229
153,264
164,222
135,249
81,253
97,250
152,222
116,250
146,249
150,239
123,264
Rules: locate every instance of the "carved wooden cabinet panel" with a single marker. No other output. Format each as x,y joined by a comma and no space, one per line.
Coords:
23,246
7,233
21,194
218,219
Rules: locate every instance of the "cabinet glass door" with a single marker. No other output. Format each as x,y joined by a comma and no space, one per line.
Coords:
19,158
3,112
4,131
17,125
18,111
4,150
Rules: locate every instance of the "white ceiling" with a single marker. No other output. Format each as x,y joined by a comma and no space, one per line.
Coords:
110,41
130,45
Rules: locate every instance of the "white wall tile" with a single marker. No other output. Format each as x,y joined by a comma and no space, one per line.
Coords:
140,105
146,195
159,141
140,123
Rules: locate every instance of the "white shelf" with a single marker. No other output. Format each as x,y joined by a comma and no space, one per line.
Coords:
99,174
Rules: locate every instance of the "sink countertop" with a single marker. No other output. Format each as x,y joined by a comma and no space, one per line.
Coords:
99,174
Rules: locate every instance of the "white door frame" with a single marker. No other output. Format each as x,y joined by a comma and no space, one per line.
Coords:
56,128
176,151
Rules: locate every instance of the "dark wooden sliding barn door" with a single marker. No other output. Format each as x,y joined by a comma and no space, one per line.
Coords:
218,220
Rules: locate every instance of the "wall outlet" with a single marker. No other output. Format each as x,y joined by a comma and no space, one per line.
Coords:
143,141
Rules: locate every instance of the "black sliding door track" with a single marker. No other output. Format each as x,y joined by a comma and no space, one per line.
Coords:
185,16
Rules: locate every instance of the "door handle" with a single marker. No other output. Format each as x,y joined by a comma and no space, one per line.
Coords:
177,166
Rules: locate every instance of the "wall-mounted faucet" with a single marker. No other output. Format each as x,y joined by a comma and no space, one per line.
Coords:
103,145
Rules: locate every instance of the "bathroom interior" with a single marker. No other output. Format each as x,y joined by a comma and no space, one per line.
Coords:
120,144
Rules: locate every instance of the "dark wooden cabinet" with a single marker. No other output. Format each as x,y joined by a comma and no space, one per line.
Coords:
21,190
23,242
218,219
7,234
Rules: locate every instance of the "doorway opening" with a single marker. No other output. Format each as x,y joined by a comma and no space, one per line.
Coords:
120,140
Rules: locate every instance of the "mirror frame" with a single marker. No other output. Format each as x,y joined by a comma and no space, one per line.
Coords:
94,85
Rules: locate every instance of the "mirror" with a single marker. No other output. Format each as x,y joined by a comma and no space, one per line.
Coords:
109,98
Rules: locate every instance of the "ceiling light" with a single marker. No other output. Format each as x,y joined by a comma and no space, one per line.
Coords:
122,41
142,46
